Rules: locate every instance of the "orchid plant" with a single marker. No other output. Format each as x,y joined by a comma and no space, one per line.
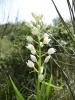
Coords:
39,58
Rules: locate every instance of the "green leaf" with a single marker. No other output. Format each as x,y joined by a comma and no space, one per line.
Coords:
48,86
17,92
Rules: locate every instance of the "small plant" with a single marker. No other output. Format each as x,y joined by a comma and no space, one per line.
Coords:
41,53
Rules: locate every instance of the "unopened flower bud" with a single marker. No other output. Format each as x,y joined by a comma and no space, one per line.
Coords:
51,51
33,58
30,64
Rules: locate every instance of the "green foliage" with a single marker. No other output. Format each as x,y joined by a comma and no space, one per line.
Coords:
5,47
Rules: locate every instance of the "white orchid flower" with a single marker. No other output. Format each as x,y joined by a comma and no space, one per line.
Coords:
35,31
33,58
51,51
31,48
30,64
47,59
41,77
46,40
29,39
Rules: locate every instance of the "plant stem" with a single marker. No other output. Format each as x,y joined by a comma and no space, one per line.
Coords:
39,65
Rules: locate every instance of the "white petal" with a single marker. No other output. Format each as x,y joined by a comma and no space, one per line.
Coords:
31,48
30,64
35,31
29,39
46,35
47,59
46,40
33,51
41,77
51,51
33,58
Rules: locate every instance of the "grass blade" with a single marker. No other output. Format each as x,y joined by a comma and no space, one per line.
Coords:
66,27
71,14
17,92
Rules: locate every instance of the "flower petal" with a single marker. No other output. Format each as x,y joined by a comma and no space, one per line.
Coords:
29,39
51,51
35,31
30,64
47,59
41,77
31,48
46,40
33,58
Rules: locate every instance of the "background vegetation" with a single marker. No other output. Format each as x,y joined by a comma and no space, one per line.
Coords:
13,57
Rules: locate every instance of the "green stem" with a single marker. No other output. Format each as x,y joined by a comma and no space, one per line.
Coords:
39,65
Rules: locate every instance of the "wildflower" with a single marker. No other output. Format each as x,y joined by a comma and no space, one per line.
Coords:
41,77
46,40
41,44
31,48
33,58
30,64
47,59
29,39
51,51
35,31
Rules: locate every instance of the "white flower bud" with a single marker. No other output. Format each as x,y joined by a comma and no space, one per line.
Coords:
33,51
31,48
35,31
47,59
46,35
46,40
41,77
30,64
33,58
41,44
29,39
51,51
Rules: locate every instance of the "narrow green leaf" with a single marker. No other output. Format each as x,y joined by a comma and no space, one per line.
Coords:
49,87
17,92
